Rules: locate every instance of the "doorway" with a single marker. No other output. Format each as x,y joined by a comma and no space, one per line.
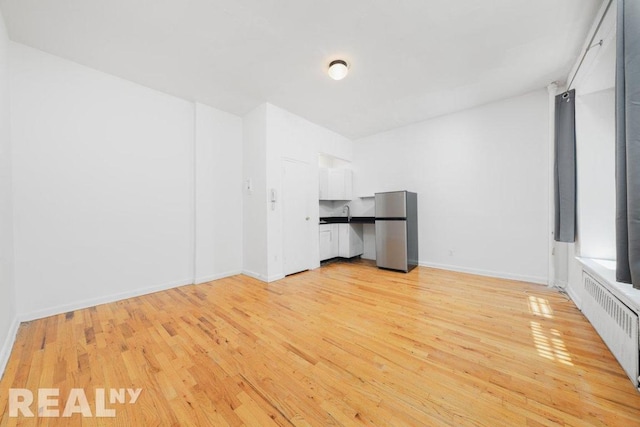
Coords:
296,217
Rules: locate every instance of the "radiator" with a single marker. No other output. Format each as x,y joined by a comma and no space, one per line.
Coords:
615,322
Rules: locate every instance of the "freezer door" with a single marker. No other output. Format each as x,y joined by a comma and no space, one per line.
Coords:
391,205
391,244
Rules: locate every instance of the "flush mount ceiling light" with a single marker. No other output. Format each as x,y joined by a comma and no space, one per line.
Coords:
338,69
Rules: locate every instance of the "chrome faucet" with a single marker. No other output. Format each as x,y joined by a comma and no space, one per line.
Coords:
348,210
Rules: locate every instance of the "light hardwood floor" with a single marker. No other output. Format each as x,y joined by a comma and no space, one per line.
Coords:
346,344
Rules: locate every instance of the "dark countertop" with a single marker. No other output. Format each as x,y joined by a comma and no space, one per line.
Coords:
345,220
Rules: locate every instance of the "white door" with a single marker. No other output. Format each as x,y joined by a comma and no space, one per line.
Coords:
297,225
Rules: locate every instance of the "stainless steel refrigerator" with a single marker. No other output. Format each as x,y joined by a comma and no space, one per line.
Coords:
397,230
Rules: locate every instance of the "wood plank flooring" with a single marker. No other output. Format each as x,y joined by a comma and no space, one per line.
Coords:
346,344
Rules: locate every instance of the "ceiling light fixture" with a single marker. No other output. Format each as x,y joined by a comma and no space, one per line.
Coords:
338,69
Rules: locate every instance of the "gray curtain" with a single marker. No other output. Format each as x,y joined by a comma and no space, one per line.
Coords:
565,167
628,143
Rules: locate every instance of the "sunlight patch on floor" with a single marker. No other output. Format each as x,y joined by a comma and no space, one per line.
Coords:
540,307
550,344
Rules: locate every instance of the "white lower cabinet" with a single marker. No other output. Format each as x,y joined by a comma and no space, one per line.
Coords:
350,241
341,240
328,241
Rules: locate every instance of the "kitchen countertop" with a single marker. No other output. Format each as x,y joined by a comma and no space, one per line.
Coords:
345,220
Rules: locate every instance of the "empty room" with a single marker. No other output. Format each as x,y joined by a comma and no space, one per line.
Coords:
319,213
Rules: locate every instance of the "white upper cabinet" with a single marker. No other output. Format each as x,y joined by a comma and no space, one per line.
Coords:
336,184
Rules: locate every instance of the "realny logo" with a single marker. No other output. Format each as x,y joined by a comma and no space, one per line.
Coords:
21,401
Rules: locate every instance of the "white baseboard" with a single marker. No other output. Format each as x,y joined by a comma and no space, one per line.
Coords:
255,275
91,302
262,277
7,345
489,273
275,277
212,277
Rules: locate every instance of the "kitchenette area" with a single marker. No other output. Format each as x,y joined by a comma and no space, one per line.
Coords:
381,227
342,236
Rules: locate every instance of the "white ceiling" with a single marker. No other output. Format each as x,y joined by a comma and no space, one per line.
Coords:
410,59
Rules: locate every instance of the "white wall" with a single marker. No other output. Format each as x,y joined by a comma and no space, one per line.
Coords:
482,181
271,135
103,185
8,323
254,200
218,160
292,137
